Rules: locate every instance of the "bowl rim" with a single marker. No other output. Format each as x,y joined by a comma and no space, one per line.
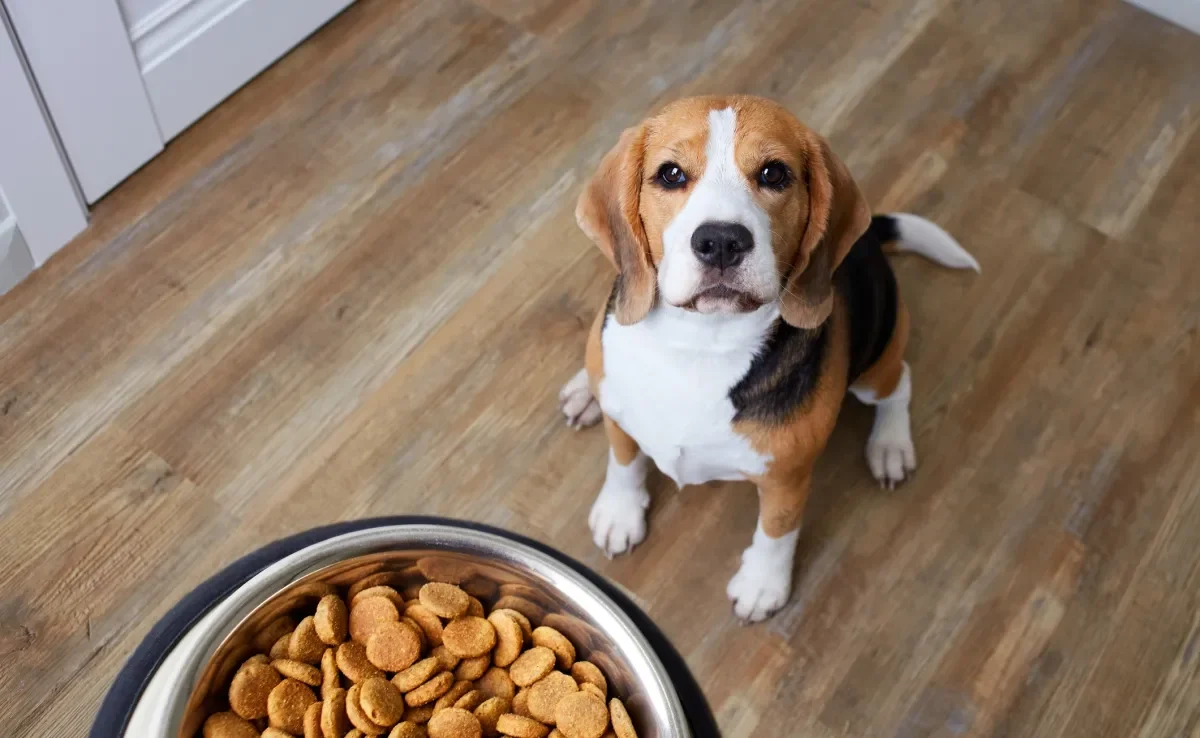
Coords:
228,615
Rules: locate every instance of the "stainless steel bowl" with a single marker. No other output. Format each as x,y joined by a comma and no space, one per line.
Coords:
487,565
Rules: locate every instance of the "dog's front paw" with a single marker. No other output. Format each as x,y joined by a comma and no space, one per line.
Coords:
890,454
577,402
618,519
759,589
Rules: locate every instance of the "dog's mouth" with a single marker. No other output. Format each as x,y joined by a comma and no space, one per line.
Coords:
721,298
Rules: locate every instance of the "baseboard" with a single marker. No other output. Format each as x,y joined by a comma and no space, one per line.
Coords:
1184,13
15,260
195,53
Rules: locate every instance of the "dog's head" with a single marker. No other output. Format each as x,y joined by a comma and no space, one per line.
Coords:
723,204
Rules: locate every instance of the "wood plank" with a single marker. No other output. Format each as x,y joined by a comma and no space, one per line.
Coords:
355,288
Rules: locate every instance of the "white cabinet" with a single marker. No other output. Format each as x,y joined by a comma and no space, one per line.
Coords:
194,53
117,79
38,191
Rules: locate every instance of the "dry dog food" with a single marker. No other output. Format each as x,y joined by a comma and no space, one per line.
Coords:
418,662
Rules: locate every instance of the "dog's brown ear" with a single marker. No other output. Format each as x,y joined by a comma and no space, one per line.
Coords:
838,215
608,213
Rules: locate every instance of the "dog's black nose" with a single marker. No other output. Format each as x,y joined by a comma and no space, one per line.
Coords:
722,244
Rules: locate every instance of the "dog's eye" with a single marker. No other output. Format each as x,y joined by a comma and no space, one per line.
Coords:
775,175
671,175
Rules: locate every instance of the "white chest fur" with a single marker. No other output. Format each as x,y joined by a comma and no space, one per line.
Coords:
666,383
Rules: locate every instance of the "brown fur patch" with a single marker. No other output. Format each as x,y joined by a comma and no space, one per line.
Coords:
795,446
883,376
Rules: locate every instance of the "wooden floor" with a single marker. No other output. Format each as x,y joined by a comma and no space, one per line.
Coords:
355,288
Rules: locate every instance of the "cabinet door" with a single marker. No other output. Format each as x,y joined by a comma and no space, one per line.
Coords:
37,190
122,77
195,53
81,57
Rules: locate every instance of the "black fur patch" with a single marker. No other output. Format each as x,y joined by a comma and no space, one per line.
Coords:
781,378
865,280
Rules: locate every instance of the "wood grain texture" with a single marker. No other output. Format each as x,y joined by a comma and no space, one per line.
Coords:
355,288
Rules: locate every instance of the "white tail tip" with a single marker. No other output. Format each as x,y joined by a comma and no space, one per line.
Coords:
924,237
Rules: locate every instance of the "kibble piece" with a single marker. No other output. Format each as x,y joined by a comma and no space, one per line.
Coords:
408,729
330,677
393,646
521,605
579,633
581,715
228,725
589,673
472,669
358,717
315,590
458,689
356,733
280,649
420,715
545,695
531,666
416,629
417,674
368,615
520,703
381,590
564,651
352,660
444,569
430,690
287,704
334,722
621,724
272,632
526,626
518,726
448,660
381,702
468,637
250,688
332,620
276,733
301,672
510,638
594,690
305,645
312,721
444,600
490,711
497,683
430,623
470,700
475,607
373,580
258,658
454,723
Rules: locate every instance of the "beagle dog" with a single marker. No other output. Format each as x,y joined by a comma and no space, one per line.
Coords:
752,292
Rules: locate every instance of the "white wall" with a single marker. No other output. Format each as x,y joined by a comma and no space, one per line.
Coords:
1185,13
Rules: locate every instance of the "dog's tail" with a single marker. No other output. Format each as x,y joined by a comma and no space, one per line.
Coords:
904,232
